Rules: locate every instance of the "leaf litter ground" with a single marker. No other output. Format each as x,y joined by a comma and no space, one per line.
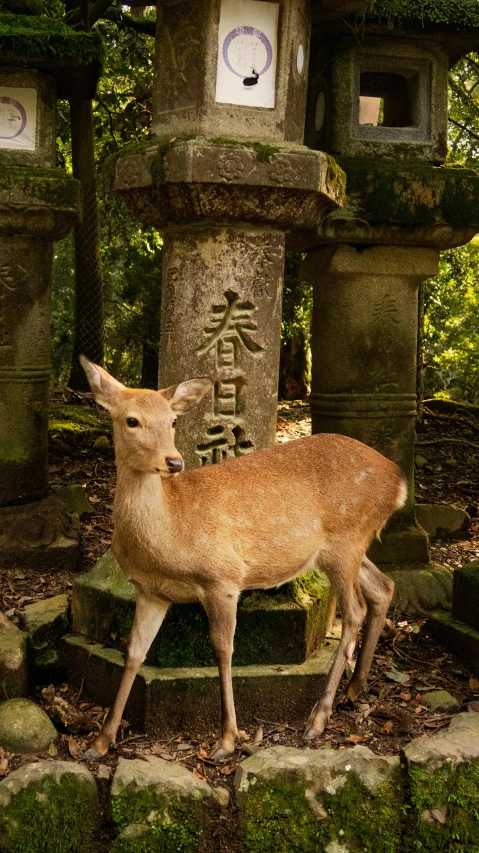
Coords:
408,663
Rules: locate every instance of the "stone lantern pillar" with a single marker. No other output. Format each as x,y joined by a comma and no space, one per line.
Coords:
378,102
38,204
225,177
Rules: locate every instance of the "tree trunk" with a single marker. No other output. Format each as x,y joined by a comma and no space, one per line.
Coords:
88,333
293,369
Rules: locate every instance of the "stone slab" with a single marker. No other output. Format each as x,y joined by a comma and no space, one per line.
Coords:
457,636
46,621
40,536
465,594
13,660
420,588
442,519
173,700
283,627
443,776
48,805
319,800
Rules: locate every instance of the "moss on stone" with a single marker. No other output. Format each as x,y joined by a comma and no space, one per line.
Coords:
50,817
72,423
279,818
453,789
337,177
50,186
458,13
263,150
176,827
411,195
28,36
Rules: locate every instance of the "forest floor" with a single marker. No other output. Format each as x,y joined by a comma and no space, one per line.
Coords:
408,663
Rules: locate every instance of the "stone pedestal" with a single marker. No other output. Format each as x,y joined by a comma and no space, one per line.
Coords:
364,362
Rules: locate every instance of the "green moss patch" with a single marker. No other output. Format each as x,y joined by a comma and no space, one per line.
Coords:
458,13
411,195
50,186
280,818
50,816
30,36
174,827
444,810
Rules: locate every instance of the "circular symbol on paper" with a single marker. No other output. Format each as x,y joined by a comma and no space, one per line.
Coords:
13,118
246,49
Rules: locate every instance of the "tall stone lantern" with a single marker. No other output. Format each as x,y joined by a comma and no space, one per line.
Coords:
225,177
38,204
377,101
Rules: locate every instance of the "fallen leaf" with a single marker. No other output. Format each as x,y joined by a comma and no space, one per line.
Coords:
52,750
354,738
406,697
3,766
474,683
228,770
74,747
396,675
388,727
258,735
385,691
435,724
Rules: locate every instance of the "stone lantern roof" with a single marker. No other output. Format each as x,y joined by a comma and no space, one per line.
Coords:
71,56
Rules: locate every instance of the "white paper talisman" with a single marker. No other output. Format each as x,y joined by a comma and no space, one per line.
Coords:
247,50
18,118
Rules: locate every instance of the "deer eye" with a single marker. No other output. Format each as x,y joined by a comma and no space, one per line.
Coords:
174,423
132,422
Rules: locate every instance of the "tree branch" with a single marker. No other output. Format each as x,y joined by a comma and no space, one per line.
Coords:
463,127
141,25
98,9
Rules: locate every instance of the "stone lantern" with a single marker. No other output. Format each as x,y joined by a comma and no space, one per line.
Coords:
226,177
38,204
377,101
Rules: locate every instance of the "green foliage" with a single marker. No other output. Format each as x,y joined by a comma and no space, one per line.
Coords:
461,13
453,789
451,330
46,37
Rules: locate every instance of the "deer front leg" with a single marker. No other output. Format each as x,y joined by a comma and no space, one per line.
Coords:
149,614
221,610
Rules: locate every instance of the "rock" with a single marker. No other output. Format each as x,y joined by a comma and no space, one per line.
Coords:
168,798
75,499
420,461
465,594
48,805
60,446
417,591
442,519
39,536
46,621
103,776
137,838
24,727
450,462
441,701
101,444
13,660
443,775
296,799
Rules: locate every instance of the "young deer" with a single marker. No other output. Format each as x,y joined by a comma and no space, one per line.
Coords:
253,522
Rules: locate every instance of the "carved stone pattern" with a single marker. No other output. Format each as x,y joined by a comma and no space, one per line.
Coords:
264,283
230,335
170,300
38,525
385,318
381,437
7,285
281,171
230,166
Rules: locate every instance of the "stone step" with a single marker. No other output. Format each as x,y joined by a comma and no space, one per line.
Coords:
280,627
465,594
174,700
457,636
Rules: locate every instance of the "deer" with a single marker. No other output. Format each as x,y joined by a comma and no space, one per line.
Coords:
251,522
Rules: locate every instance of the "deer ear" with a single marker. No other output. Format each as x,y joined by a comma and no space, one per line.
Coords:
186,395
104,388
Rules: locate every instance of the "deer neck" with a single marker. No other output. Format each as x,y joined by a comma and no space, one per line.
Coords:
140,505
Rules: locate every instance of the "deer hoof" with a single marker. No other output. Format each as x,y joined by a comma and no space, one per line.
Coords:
219,753
90,754
353,691
311,732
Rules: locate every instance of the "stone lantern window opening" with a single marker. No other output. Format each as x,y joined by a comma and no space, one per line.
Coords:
393,99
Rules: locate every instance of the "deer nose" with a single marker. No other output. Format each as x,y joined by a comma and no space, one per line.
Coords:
173,465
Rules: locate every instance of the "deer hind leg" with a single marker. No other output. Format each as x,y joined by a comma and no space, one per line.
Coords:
378,591
353,611
149,614
221,610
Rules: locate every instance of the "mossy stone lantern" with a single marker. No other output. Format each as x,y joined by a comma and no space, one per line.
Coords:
40,59
377,101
